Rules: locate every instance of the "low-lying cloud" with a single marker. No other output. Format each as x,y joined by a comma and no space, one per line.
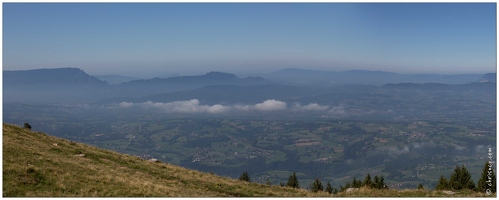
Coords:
191,106
270,105
194,106
125,105
391,150
267,105
309,107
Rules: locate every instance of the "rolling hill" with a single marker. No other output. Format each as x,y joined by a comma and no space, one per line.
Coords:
38,165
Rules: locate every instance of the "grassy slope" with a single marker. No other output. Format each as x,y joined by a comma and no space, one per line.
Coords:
34,166
39,165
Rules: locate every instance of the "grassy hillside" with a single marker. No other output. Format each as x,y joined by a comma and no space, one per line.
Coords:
39,165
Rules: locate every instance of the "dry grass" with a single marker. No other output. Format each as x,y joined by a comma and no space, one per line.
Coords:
33,166
366,192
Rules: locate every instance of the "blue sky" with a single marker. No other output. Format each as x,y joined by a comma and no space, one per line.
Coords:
194,38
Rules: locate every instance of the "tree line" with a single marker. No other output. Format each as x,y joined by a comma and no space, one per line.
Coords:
460,179
316,186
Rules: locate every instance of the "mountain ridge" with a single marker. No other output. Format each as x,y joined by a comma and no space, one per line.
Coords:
364,77
73,85
488,77
115,79
212,77
50,76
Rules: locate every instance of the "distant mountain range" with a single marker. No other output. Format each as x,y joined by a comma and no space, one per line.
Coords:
168,76
115,79
59,85
74,85
363,77
211,78
58,76
489,77
160,85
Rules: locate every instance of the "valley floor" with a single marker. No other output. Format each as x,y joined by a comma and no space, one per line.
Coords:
38,165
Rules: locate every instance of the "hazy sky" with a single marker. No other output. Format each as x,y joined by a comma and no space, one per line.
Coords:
194,38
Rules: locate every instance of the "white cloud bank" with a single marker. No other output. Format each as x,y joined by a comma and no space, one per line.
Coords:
194,106
191,106
309,107
125,105
392,150
270,105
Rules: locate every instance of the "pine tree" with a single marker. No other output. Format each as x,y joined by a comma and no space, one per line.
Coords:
347,186
466,180
293,181
376,184
245,177
329,188
487,180
367,181
342,188
443,183
382,183
420,186
461,179
317,186
455,179
356,183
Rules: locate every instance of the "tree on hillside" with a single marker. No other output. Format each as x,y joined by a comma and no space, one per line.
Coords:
382,183
466,179
443,183
245,177
367,181
343,188
420,186
454,181
379,183
293,181
376,184
317,186
487,180
329,188
356,183
27,126
461,179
